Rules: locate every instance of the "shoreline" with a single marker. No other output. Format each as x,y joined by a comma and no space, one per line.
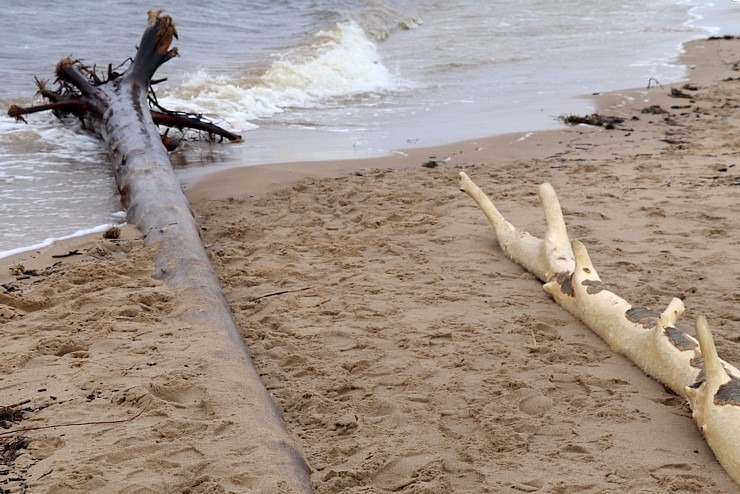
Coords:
406,352
508,146
300,146
286,171
255,181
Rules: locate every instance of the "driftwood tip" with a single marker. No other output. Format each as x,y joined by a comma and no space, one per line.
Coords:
463,179
712,364
583,260
546,189
673,312
153,15
63,65
17,113
164,23
559,251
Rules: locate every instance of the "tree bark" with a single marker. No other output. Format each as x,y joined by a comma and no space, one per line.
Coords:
155,203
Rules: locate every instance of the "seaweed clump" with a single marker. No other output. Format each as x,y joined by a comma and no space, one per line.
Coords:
594,119
653,110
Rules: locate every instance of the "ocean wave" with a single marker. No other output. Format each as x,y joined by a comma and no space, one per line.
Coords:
336,66
380,19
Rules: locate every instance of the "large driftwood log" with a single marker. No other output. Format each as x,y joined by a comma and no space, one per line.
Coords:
690,368
154,202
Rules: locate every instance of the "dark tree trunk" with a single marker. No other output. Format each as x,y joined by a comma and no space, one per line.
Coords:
155,203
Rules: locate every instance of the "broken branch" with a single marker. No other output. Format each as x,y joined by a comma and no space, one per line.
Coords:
79,88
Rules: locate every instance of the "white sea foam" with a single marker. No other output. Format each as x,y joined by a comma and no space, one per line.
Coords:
49,241
54,179
339,64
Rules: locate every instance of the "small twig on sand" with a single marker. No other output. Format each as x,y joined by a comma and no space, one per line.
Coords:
16,405
71,253
101,422
282,292
657,82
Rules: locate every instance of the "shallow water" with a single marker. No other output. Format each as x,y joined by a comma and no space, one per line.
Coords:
325,79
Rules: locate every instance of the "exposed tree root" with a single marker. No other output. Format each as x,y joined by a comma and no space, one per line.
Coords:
75,93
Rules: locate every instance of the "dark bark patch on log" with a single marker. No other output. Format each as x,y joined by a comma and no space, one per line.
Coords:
594,286
728,393
679,339
647,318
698,361
565,281
701,377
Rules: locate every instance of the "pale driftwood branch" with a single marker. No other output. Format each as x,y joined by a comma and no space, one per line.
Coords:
542,258
715,403
650,339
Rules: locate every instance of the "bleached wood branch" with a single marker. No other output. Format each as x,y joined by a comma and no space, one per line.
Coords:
542,258
646,337
715,403
688,367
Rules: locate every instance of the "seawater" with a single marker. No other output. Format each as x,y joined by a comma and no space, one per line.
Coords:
323,79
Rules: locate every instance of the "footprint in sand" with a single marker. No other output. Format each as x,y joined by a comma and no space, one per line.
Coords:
401,472
9,313
60,346
178,394
27,303
190,401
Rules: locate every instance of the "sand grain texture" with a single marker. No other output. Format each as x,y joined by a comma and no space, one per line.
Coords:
407,353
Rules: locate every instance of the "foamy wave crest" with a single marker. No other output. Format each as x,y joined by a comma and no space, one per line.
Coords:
340,63
382,19
343,62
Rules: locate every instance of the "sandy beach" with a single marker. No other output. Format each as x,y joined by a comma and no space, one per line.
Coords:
407,353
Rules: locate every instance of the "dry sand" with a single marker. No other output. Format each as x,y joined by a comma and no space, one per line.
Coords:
406,352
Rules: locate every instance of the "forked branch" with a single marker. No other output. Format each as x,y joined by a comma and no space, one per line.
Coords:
650,339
